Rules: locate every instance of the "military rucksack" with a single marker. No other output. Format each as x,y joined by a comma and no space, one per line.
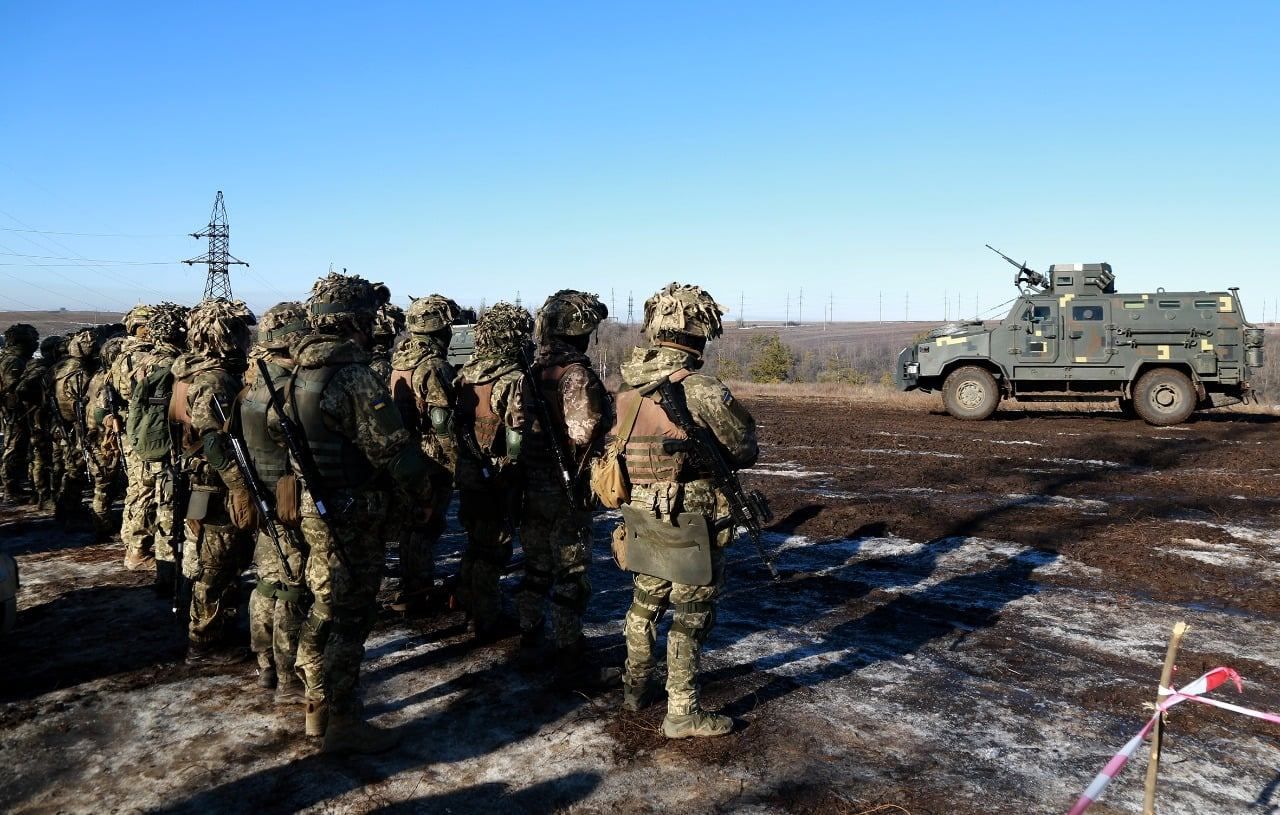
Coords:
148,425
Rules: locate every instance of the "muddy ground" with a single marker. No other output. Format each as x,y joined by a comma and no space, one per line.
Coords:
971,619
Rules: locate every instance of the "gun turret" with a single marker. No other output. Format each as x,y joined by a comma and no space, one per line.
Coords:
1026,276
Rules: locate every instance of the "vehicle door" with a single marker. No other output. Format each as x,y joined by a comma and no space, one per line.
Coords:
1088,329
1039,324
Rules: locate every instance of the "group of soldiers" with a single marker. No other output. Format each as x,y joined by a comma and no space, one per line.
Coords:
345,427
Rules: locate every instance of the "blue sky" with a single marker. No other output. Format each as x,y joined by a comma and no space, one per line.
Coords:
851,149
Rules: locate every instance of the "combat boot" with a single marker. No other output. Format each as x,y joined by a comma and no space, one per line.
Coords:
348,733
202,656
638,696
289,690
317,717
138,561
698,724
267,677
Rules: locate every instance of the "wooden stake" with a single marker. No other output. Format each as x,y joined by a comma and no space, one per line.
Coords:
1157,734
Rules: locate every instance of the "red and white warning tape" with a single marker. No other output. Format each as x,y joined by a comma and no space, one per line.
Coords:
1190,693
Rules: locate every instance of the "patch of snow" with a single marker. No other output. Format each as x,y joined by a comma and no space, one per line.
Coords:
904,452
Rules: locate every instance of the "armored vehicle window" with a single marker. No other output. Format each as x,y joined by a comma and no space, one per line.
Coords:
1135,304
1170,304
1065,280
1041,313
1086,313
1213,304
1035,347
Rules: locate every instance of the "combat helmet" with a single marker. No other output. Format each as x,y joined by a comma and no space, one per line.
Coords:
22,335
83,344
137,317
110,350
682,316
503,329
388,324
430,314
569,313
219,328
168,323
340,303
280,323
53,348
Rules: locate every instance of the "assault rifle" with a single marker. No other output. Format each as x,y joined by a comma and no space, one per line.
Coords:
91,462
266,508
301,455
570,479
115,407
57,426
748,510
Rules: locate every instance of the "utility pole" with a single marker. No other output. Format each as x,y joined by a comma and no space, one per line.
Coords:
217,286
787,321
518,298
800,310
631,300
831,307
613,307
742,309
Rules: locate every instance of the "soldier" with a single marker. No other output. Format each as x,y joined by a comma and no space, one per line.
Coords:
422,388
665,492
149,530
104,439
358,445
556,529
215,543
386,328
34,390
20,342
70,390
488,424
278,605
136,527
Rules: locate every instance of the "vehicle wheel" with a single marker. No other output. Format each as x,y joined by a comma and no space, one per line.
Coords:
1164,397
971,393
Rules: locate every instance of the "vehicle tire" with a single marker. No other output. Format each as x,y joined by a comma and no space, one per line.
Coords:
1164,397
971,393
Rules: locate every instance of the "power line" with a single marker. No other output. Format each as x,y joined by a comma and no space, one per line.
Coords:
91,260
88,234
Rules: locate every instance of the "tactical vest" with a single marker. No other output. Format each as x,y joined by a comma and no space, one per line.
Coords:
475,411
270,460
406,400
65,392
647,459
340,463
537,447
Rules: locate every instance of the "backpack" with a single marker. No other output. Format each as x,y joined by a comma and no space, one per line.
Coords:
148,425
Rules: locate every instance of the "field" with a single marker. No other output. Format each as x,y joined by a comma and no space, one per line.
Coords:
970,621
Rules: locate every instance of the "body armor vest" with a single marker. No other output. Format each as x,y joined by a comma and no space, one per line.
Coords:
270,460
538,443
406,401
475,411
340,463
647,459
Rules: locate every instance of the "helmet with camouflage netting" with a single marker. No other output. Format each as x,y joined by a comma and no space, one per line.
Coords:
569,313
110,350
219,328
168,323
341,303
22,335
280,324
430,314
682,316
137,318
388,324
53,348
504,328
83,344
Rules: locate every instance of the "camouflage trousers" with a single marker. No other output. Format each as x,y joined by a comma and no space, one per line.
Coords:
418,546
138,526
13,457
556,539
277,606
105,474
486,515
75,478
344,592
45,468
213,555
693,611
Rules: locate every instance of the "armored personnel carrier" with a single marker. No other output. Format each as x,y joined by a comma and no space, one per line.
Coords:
1070,336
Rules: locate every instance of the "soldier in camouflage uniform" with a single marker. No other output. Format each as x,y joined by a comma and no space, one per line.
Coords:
422,388
489,421
556,529
149,527
386,328
216,542
678,322
70,390
360,446
34,390
278,605
20,342
104,439
137,526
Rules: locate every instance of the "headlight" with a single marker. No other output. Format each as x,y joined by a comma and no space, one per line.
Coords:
913,369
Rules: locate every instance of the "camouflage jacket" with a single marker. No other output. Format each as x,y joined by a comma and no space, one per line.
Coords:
33,393
12,364
505,400
430,377
124,371
579,406
161,353
207,380
71,388
380,362
355,404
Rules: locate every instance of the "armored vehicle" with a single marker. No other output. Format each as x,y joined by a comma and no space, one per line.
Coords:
1070,336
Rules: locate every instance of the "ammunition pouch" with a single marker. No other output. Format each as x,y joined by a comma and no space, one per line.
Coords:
201,502
289,501
243,511
679,552
618,544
